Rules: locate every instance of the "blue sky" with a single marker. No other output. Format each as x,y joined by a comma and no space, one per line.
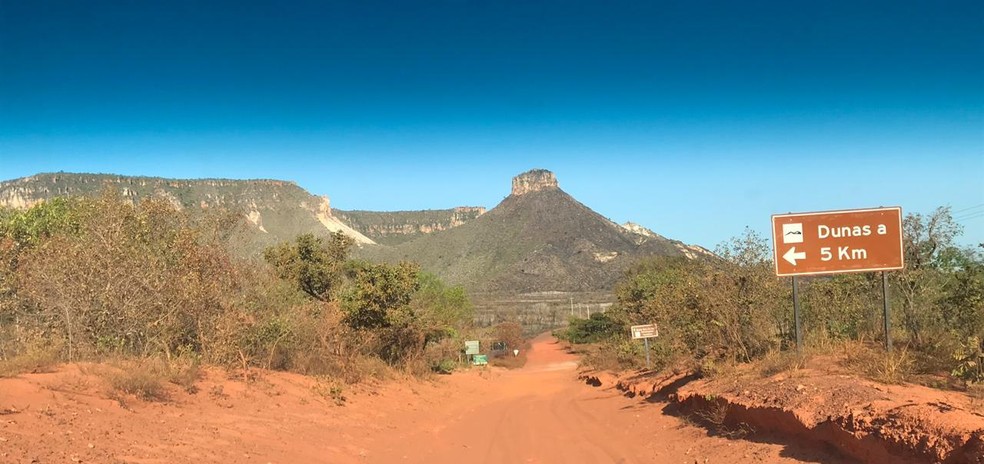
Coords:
694,119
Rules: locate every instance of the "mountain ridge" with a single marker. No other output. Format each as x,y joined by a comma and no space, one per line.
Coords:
537,239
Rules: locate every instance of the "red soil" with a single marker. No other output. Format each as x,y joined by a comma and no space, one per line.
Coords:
872,422
537,414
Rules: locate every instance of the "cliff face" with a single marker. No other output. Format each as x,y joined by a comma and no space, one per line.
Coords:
205,193
536,180
392,228
277,210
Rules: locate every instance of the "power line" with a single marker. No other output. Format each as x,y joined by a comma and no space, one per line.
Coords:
968,208
971,213
970,216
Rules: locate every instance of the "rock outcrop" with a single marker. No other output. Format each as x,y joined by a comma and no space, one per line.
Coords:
535,180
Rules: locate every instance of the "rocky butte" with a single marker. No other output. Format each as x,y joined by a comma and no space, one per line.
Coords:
535,180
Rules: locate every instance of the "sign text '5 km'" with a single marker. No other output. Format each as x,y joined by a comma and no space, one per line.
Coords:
831,242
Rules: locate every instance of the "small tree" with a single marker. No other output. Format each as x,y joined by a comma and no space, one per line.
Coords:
441,309
314,264
378,300
928,241
962,303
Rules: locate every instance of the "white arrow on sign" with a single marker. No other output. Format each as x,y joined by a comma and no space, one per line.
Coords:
792,256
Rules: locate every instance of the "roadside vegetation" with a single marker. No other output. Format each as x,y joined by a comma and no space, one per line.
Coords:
717,314
150,287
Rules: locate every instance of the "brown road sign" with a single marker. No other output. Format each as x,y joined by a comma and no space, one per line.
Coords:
831,242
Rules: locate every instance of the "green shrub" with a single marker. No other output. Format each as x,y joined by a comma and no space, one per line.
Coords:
597,327
445,366
970,361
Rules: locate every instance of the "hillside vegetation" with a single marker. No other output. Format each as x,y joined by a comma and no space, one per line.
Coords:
100,278
714,314
538,241
273,210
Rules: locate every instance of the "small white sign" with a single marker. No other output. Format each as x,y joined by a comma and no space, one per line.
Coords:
644,331
792,233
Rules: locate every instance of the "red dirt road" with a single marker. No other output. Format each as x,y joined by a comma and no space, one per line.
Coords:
538,414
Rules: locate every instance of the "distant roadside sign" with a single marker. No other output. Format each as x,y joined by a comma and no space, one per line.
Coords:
471,347
645,331
831,242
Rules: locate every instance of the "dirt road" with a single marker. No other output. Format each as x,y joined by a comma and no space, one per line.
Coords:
538,414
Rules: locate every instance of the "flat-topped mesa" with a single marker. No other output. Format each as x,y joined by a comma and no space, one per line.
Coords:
534,180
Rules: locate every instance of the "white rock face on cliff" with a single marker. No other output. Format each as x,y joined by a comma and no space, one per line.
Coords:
333,224
639,230
535,180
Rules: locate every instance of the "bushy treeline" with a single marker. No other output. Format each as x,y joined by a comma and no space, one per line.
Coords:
85,278
734,309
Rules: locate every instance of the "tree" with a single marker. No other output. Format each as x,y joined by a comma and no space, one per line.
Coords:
596,328
124,278
962,303
441,309
377,291
312,263
928,247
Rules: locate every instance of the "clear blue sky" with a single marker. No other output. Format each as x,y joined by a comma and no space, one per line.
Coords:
694,119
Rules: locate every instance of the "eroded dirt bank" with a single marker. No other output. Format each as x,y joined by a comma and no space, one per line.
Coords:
867,421
538,414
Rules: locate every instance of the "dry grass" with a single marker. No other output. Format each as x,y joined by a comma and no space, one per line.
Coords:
70,383
976,391
141,379
775,362
184,374
146,379
711,368
876,364
35,359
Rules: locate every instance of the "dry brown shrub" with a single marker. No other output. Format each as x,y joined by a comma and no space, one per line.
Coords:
976,390
133,280
775,362
184,373
31,354
877,364
144,379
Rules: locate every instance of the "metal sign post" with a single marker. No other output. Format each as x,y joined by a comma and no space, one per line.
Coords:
648,364
887,314
645,332
796,316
